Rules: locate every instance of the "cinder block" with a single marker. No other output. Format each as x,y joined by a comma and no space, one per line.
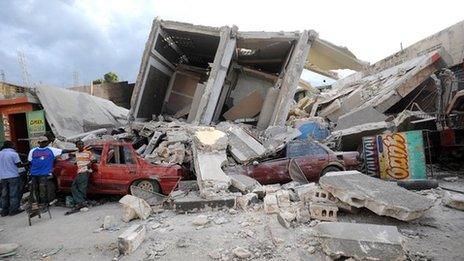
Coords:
320,195
323,211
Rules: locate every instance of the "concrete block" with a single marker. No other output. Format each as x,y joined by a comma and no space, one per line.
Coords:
194,203
360,241
320,195
245,201
134,207
382,197
454,200
270,204
283,198
323,211
131,239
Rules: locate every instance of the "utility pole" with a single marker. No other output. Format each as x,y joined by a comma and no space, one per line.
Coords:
2,75
24,72
75,78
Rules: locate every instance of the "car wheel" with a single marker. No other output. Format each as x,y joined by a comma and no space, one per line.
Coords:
329,169
149,185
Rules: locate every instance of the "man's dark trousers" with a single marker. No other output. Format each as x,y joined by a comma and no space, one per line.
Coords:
10,195
79,187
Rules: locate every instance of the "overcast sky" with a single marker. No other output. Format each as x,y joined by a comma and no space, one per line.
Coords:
93,37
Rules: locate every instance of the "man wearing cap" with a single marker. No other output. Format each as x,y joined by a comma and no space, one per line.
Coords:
10,180
42,159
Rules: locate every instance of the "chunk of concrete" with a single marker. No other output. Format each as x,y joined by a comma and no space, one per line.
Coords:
382,197
131,239
243,147
270,204
210,139
302,212
245,201
454,200
244,183
8,249
134,207
200,220
286,218
360,241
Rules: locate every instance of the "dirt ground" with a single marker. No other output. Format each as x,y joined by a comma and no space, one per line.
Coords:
438,235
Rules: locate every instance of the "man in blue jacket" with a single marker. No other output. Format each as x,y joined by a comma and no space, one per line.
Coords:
42,159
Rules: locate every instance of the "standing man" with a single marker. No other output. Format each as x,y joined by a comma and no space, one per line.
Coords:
9,177
84,160
42,159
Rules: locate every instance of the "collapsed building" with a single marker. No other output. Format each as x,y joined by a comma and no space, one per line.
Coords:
207,74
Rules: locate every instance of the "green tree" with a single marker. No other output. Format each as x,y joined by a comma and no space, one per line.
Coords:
111,77
97,81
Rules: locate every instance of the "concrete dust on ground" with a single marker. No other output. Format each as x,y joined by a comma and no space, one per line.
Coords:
222,235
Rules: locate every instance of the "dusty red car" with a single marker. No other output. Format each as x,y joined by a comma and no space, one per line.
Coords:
314,160
118,167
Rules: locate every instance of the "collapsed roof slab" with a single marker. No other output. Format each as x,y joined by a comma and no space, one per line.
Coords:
71,113
381,91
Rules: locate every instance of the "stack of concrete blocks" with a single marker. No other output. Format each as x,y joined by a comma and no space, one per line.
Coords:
209,150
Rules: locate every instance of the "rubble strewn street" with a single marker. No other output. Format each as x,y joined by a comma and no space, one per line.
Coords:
223,151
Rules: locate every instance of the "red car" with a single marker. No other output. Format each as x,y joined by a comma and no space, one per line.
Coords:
118,167
314,160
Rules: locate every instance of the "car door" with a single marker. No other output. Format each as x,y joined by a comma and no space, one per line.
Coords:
118,169
95,176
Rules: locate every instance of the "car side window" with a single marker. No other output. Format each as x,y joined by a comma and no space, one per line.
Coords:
113,155
126,155
96,153
316,149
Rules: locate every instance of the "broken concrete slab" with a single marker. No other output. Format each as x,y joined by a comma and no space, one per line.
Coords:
454,200
243,147
194,203
360,241
208,168
244,183
131,239
71,113
134,207
382,197
305,191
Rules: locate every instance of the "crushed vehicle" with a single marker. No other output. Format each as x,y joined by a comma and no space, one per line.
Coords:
117,167
311,158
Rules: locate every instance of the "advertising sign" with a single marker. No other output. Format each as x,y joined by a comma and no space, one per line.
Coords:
35,125
395,156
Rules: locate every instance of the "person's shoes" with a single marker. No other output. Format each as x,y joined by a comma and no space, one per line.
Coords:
72,211
4,214
16,212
